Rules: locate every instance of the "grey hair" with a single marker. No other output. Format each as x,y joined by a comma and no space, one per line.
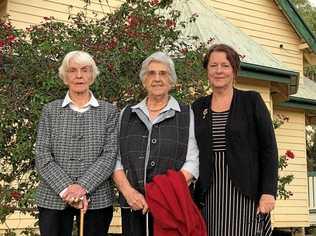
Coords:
162,58
82,58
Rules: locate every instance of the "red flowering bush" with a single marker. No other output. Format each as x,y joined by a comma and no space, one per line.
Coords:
283,180
119,42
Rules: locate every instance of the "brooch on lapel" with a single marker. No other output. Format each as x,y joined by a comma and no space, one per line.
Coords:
205,111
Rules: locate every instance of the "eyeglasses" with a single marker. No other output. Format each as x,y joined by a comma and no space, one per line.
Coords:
160,73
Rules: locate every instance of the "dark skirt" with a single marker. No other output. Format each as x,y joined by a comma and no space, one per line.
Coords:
228,212
134,223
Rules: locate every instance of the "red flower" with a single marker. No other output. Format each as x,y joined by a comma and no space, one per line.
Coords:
289,154
113,43
110,67
132,21
46,18
154,2
2,43
16,195
11,38
184,50
170,23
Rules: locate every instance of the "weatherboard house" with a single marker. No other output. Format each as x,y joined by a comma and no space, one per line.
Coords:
275,43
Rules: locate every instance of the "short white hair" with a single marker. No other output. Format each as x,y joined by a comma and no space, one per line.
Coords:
80,57
162,58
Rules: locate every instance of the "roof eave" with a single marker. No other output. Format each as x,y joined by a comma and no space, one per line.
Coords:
300,103
265,73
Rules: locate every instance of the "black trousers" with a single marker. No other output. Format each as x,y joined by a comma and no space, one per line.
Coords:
134,223
60,222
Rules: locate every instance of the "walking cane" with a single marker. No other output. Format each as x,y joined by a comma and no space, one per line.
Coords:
81,222
79,204
81,231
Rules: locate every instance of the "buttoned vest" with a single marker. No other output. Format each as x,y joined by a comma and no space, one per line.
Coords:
166,143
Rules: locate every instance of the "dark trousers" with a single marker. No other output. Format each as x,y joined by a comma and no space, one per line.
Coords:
60,222
134,223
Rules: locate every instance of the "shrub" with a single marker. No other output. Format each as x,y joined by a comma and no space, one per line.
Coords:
119,42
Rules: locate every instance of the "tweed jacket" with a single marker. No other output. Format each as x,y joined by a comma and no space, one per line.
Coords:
251,149
74,147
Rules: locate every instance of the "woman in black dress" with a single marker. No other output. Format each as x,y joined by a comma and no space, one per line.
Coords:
238,153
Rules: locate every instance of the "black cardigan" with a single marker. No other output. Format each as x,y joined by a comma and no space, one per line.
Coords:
251,153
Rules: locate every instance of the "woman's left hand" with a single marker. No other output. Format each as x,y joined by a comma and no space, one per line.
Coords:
266,203
187,175
74,193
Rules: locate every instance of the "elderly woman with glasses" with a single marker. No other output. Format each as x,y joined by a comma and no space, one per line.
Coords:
76,148
156,134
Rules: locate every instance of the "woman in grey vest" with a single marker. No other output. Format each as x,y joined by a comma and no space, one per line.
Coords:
156,134
76,148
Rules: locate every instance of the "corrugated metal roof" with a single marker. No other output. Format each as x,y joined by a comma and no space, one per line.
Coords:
211,25
306,90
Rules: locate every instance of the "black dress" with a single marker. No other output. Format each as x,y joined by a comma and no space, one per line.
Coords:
228,212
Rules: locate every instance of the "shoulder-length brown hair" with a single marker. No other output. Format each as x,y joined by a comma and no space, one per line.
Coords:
231,55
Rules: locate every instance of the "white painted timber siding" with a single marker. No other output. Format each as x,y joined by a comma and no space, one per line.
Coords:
293,212
3,7
264,22
23,13
263,87
18,222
